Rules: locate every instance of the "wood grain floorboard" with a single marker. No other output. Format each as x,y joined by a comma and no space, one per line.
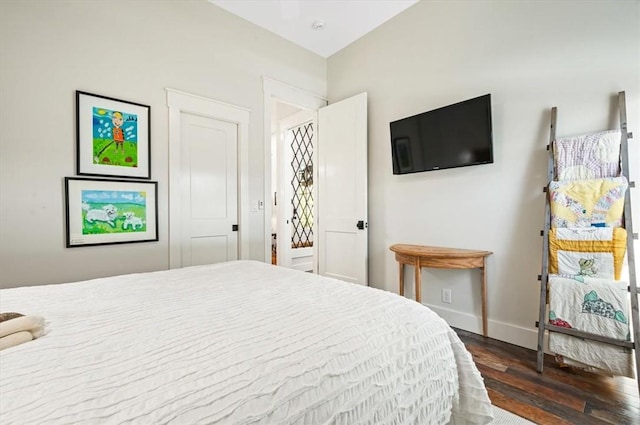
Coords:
524,408
524,361
535,404
539,390
558,395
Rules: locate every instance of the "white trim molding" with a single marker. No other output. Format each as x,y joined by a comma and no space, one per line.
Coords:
513,334
178,102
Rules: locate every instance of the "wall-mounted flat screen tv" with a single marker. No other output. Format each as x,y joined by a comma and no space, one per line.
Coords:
456,135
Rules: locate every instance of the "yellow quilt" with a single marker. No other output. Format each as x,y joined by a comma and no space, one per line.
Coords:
594,252
587,203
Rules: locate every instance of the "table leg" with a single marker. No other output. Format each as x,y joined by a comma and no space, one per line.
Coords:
401,278
418,282
484,297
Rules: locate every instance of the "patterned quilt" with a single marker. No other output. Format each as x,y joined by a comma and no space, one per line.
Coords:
590,156
586,203
588,251
598,306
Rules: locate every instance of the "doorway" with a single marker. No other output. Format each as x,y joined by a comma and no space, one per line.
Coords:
289,101
339,182
292,177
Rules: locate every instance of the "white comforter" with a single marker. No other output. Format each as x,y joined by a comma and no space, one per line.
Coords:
234,343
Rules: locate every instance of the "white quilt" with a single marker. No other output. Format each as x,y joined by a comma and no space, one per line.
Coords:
589,156
234,343
598,306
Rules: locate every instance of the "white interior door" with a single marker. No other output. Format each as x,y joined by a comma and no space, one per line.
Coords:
209,190
342,190
296,192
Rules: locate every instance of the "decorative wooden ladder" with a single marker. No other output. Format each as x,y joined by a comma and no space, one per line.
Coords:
543,323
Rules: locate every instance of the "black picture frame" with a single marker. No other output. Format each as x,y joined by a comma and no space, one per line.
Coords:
108,211
113,137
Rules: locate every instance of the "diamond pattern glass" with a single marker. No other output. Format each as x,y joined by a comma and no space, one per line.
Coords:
302,183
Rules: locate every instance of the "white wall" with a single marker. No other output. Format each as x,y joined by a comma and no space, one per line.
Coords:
129,50
530,55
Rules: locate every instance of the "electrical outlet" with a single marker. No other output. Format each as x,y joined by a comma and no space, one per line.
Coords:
446,295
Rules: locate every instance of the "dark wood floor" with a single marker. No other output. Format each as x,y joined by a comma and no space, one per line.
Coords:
557,396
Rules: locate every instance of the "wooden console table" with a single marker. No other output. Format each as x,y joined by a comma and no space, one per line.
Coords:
442,258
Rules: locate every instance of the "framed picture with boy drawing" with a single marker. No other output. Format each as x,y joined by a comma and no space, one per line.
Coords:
113,137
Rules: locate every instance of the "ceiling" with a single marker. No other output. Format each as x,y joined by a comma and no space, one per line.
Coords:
343,21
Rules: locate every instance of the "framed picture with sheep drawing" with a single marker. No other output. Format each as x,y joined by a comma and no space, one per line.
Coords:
101,212
113,137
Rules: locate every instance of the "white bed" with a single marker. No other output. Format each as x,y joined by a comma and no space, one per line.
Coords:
234,343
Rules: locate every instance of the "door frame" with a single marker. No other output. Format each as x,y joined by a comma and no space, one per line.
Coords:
285,93
179,102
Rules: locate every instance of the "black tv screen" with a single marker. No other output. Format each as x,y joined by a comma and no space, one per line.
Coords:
452,136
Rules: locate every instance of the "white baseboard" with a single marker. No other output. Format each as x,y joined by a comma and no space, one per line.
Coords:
517,335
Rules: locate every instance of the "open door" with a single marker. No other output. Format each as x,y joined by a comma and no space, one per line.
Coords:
342,190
